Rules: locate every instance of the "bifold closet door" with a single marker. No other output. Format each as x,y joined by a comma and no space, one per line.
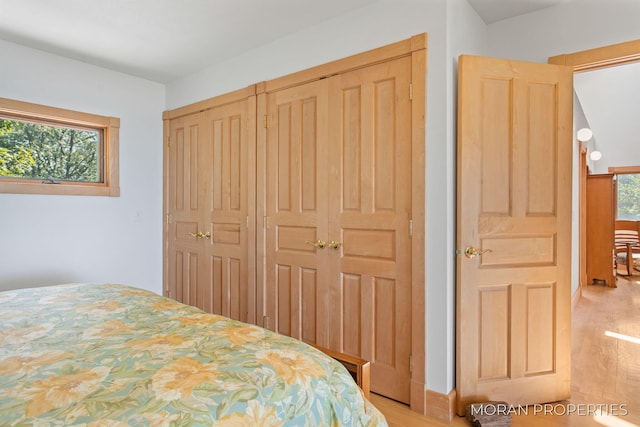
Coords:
338,200
296,210
369,221
226,259
211,209
186,199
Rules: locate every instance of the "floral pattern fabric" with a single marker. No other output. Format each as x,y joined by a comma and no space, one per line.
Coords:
113,355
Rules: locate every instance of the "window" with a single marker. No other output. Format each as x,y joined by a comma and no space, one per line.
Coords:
628,196
47,150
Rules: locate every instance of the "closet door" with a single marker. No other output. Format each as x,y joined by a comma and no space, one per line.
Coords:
369,212
338,199
296,213
210,205
185,201
226,261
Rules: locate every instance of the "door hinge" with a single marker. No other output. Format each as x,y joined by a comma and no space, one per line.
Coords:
169,142
266,221
168,218
410,363
265,322
265,121
410,228
410,91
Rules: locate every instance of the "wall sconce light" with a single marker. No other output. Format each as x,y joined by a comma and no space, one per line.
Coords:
585,134
595,155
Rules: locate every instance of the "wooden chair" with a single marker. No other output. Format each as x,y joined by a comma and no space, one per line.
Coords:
627,245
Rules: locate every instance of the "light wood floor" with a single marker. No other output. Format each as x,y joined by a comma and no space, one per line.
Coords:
605,368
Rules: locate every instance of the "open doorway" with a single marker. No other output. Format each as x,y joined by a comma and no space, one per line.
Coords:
589,60
595,340
605,116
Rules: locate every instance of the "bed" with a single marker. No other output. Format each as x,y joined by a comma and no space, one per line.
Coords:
114,355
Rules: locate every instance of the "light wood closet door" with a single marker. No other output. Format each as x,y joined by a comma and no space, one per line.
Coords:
296,208
226,212
339,173
186,200
369,212
211,196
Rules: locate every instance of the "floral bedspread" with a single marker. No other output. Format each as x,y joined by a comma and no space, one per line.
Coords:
113,355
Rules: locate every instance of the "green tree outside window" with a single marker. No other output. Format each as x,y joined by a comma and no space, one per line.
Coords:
32,150
629,196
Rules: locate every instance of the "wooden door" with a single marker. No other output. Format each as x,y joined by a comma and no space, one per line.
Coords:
601,221
185,200
226,216
369,174
210,205
514,204
296,213
338,167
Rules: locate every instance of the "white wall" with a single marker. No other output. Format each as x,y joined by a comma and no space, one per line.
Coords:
570,27
369,27
611,103
58,239
466,34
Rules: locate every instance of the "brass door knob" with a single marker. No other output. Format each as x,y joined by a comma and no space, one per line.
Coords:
320,244
471,252
334,244
201,235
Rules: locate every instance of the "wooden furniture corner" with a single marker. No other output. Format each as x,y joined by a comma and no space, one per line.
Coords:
358,368
600,216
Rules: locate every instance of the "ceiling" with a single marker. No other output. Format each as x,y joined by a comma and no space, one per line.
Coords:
159,41
496,10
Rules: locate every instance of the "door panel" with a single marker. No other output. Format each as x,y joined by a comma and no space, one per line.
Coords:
185,197
296,273
514,202
369,212
185,276
226,216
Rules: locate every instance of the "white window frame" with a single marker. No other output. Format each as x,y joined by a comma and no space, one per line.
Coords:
110,127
